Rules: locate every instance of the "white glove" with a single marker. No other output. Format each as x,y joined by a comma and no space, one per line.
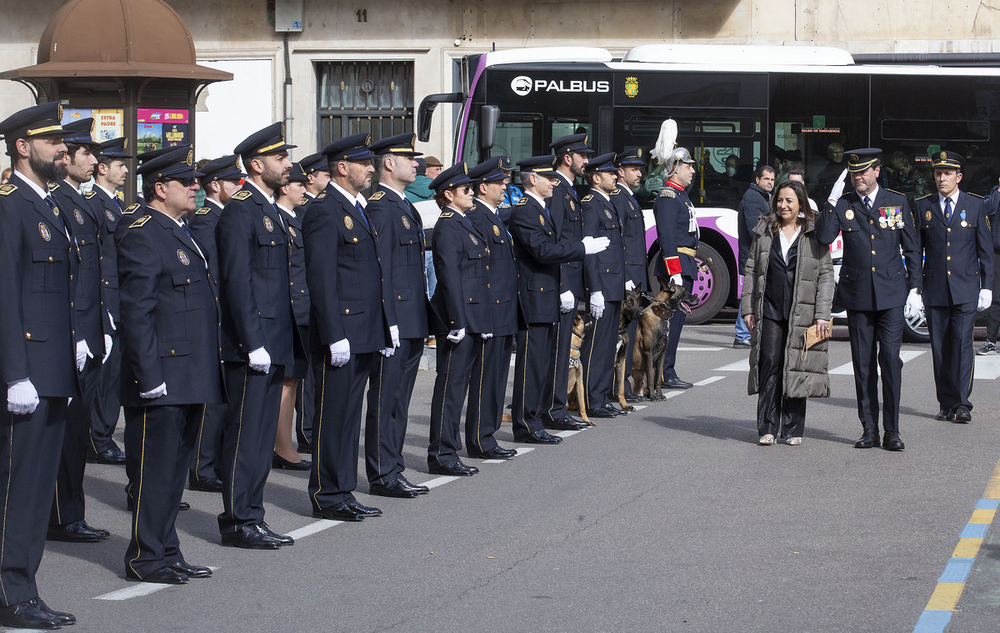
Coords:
155,393
678,281
82,354
593,245
487,335
387,352
260,360
340,352
838,188
985,299
108,344
112,320
566,301
914,304
394,333
456,336
629,285
22,398
597,304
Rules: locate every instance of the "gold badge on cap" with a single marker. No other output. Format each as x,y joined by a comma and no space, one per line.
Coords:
190,157
854,158
348,222
406,222
43,230
944,155
850,214
183,257
268,224
125,144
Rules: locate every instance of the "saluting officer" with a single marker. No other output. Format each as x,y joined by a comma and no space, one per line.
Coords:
401,234
604,278
172,361
630,166
38,267
109,178
220,180
67,521
352,320
954,234
492,363
539,255
259,336
677,237
875,224
567,220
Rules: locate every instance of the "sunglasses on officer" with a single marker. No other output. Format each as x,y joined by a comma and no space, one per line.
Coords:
185,182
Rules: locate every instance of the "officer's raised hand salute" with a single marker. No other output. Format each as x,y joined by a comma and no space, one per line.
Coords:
38,265
171,363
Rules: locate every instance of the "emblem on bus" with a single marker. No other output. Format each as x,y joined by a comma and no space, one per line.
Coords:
631,87
521,86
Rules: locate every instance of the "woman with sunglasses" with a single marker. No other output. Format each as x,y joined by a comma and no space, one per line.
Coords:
462,311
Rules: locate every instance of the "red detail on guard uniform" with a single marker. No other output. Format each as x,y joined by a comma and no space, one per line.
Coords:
673,265
674,185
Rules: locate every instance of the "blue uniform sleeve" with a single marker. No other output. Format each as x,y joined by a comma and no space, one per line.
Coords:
234,237
139,270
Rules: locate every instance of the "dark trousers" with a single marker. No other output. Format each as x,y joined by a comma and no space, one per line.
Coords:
454,372
556,410
107,407
29,458
676,323
534,373
777,414
487,389
337,427
632,330
993,312
389,389
159,440
305,398
597,355
205,463
876,337
69,503
248,442
952,349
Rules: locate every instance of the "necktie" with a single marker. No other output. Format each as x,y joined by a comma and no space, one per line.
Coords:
947,210
49,200
184,225
868,204
277,212
361,212
415,217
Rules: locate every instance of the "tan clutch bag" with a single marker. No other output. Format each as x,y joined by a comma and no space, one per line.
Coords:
812,336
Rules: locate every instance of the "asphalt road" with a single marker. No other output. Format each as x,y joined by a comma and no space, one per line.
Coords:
668,519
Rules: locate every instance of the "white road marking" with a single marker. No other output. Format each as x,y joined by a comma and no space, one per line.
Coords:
987,368
709,381
741,365
566,433
313,528
700,349
640,407
522,451
135,591
439,481
847,369
672,394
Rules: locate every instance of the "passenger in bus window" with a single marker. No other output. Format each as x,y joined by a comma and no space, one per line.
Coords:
902,177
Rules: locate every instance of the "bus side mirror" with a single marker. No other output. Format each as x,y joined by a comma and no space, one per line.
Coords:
488,119
425,113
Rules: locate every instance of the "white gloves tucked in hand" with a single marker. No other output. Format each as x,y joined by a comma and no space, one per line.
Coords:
340,352
155,393
456,336
394,333
22,398
108,344
914,304
260,360
597,304
567,301
82,354
985,299
387,352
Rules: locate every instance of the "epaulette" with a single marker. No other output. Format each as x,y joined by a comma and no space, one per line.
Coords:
376,196
617,191
53,186
6,190
975,195
898,193
523,200
668,192
203,211
446,214
138,223
927,196
241,195
588,197
90,194
321,195
132,208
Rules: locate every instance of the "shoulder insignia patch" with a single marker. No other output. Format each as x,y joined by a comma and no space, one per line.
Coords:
668,192
53,186
321,196
617,191
203,211
241,195
522,201
6,190
141,221
446,214
376,196
588,197
132,208
90,194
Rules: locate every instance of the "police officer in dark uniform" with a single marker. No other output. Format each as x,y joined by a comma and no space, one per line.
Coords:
957,279
259,336
352,320
604,278
567,221
221,179
172,361
677,237
539,255
875,224
630,166
38,267
401,234
67,522
109,177
492,363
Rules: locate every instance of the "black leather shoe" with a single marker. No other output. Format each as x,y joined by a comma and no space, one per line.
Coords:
164,576
600,413
248,537
363,510
394,488
338,512
614,410
184,505
868,440
566,424
891,442
191,571
113,455
280,462
538,437
494,453
265,529
420,490
741,343
76,532
24,615
60,616
103,533
205,485
676,383
962,414
454,469
945,415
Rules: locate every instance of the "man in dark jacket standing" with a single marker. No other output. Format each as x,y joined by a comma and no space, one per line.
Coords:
753,207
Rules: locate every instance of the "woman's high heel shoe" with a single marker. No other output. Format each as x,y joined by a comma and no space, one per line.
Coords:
280,462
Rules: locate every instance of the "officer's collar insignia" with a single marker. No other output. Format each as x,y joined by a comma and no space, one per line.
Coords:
242,195
377,195
132,208
203,211
140,222
6,190
53,186
90,194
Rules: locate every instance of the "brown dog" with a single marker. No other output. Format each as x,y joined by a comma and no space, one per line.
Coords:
652,337
632,308
574,388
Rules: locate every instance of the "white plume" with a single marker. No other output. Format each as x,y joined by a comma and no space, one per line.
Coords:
666,142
